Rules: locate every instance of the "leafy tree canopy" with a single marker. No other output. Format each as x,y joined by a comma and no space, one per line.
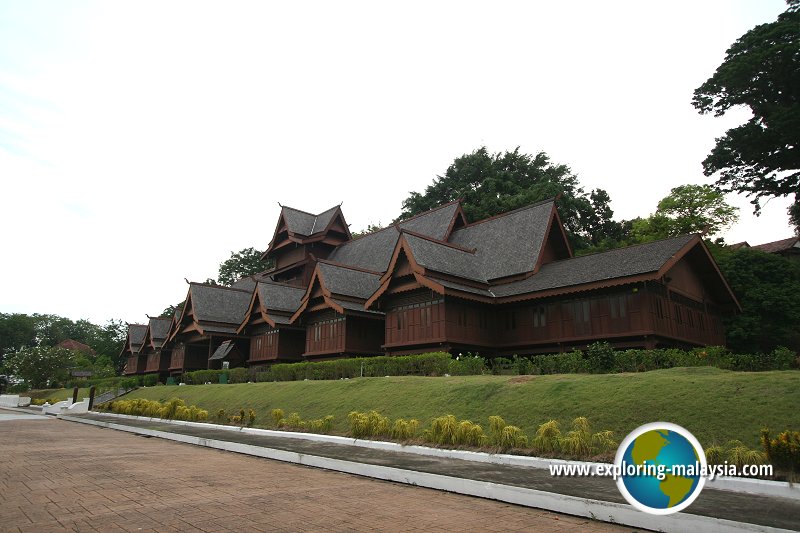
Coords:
490,184
40,366
371,228
171,310
18,331
768,289
687,209
240,264
761,70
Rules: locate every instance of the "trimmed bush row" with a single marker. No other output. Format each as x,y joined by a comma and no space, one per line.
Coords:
598,358
174,409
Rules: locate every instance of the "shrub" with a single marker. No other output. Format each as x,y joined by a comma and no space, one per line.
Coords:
251,418
512,437
235,419
293,421
548,437
503,366
322,425
715,455
200,377
496,425
443,430
738,454
150,380
171,408
783,452
277,416
600,357
783,358
469,365
404,429
371,424
238,375
470,434
221,416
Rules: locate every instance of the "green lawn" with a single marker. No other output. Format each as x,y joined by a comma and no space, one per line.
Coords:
59,394
716,405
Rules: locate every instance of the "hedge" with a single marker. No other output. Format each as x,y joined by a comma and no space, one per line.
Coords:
598,358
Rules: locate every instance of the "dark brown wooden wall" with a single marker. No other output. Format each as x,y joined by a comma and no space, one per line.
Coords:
325,334
364,335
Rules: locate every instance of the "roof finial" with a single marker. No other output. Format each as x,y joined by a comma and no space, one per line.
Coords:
187,281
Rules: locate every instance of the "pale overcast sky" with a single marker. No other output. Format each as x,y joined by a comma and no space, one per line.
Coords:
141,142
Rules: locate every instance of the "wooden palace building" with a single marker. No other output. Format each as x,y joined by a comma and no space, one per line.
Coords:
509,284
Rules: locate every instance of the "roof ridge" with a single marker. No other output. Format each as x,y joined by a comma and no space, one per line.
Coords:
282,285
690,235
307,213
348,267
792,238
396,225
225,287
513,211
437,241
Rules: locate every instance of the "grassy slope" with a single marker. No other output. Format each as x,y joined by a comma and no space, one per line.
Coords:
716,405
60,394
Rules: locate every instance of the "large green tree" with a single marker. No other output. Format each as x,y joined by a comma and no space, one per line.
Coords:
40,366
20,330
490,184
240,264
761,71
768,289
686,209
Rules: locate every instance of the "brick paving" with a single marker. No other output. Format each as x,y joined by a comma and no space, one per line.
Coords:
61,476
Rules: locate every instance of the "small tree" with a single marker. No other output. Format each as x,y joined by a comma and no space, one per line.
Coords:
40,366
687,209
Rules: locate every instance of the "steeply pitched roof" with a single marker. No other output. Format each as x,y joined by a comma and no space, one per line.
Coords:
507,244
374,251
444,258
306,224
76,346
219,304
618,263
782,245
280,297
136,333
346,281
434,223
159,328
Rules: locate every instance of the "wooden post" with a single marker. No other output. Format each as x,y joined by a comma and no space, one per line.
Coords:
75,395
91,397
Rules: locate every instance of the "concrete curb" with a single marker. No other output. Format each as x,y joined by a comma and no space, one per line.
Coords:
731,484
572,505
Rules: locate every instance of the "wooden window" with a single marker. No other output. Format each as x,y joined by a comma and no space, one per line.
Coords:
678,317
582,313
539,317
618,305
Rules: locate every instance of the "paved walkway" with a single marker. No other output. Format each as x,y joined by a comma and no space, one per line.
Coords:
755,509
61,476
